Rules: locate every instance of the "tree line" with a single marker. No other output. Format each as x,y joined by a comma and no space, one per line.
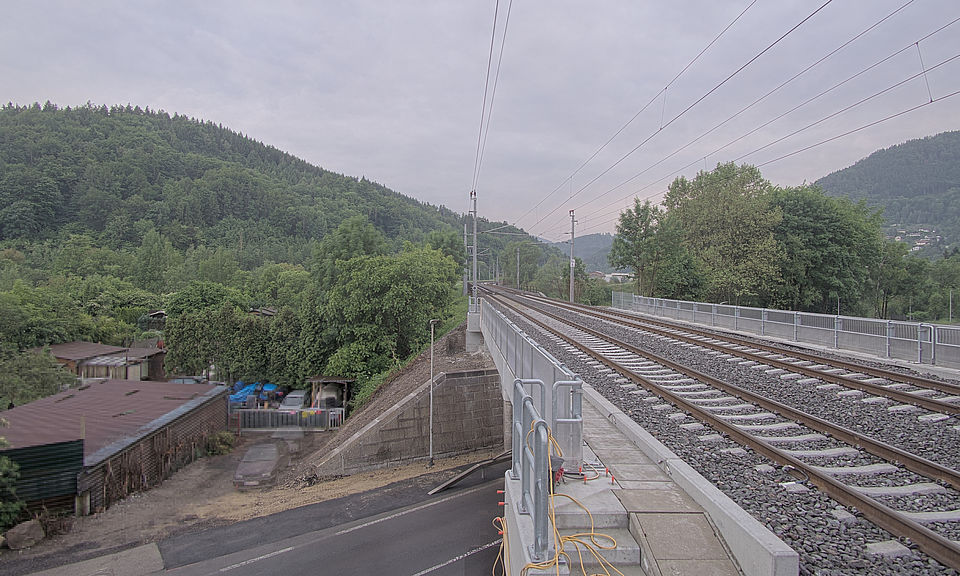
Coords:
107,213
729,235
357,308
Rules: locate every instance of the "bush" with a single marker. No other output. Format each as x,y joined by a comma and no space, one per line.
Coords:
10,505
220,443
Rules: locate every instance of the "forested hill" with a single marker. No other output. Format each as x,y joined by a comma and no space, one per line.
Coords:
116,173
917,183
592,249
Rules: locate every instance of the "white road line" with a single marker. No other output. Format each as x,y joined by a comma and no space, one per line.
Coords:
410,511
370,523
257,559
460,557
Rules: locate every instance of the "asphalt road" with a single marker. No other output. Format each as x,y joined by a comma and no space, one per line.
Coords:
396,530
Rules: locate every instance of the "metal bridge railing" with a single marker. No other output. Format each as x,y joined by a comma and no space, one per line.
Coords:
560,390
922,343
542,391
531,466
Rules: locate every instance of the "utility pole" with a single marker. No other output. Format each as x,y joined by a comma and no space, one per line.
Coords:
473,195
432,323
518,267
466,256
573,261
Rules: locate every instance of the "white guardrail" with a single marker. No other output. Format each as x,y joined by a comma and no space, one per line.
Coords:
922,343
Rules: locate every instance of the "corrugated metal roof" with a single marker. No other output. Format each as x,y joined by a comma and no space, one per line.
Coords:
82,350
140,353
109,361
112,413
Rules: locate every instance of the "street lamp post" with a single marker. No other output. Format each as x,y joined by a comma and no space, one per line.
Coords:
432,323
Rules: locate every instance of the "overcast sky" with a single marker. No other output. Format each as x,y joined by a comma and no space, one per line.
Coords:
393,90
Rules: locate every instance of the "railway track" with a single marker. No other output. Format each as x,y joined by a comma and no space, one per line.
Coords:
875,478
934,395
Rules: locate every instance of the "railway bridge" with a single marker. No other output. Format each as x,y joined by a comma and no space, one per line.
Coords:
626,458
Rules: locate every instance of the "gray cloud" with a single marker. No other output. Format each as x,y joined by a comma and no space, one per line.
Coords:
392,90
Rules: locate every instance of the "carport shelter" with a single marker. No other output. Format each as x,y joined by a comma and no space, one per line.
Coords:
91,446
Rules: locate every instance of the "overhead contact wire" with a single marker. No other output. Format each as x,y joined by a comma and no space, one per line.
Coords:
828,140
765,124
691,106
635,116
493,94
483,108
752,104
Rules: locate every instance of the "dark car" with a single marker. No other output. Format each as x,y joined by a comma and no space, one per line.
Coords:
259,466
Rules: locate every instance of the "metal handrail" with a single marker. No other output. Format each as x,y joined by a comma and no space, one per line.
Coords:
530,446
566,419
560,392
923,343
532,363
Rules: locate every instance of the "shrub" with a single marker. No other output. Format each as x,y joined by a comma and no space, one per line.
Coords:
220,443
10,505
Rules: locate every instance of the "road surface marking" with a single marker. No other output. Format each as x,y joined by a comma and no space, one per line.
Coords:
257,559
410,511
460,557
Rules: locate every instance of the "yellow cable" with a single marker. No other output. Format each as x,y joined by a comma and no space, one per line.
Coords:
577,540
503,558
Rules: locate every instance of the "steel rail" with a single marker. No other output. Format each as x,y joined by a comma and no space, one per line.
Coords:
919,381
882,450
932,404
940,548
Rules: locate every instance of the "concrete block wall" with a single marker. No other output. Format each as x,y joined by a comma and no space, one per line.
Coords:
467,416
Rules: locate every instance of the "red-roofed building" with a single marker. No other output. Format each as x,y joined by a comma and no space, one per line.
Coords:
135,434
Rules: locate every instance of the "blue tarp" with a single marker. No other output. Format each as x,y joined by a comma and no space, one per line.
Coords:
241,394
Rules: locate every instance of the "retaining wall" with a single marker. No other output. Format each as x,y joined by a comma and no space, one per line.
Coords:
467,416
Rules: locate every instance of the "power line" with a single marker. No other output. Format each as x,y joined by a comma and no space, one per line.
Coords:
691,106
493,94
757,101
483,108
811,99
765,124
634,117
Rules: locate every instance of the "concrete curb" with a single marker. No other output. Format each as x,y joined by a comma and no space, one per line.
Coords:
139,561
756,549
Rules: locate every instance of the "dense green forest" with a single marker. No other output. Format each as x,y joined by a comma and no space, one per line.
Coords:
917,184
592,249
729,235
109,213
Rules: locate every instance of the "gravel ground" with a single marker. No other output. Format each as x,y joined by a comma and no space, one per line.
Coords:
804,520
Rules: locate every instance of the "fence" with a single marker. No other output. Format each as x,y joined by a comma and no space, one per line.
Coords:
531,464
559,389
322,418
559,394
914,342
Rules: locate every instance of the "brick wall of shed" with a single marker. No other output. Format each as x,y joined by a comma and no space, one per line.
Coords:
155,457
468,416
